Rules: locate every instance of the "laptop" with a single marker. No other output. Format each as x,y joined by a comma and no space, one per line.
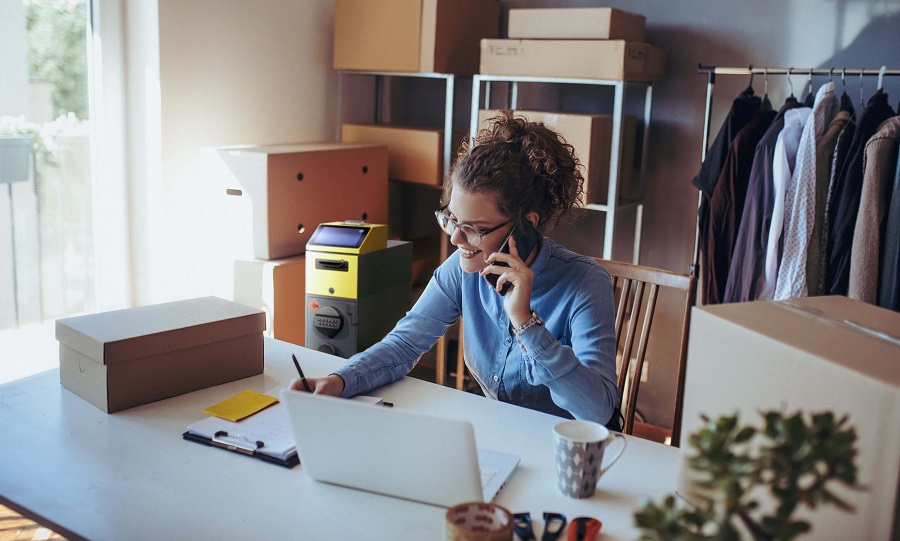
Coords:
393,452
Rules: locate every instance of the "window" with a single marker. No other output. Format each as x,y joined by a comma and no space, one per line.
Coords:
55,218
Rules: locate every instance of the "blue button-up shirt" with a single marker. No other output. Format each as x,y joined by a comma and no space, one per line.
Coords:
566,367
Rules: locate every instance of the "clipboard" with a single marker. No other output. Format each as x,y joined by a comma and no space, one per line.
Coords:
265,435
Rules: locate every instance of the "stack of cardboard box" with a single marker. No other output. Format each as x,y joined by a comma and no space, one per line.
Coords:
591,43
289,190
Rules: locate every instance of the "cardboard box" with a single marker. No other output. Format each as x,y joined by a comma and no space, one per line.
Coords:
124,358
426,257
591,136
411,209
439,36
414,154
815,354
576,23
614,60
294,188
278,288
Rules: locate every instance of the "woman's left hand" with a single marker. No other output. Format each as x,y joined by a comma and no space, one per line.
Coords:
517,301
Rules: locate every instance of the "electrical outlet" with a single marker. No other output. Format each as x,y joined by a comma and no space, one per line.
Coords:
645,372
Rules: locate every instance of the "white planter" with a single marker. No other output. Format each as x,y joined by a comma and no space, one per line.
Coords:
15,154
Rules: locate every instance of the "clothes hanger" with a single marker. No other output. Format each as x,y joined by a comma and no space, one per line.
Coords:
790,82
861,95
809,100
846,102
766,104
749,92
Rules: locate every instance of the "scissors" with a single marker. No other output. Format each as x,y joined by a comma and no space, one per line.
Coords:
554,524
584,529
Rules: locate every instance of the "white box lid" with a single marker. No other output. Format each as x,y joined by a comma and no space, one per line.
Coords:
133,333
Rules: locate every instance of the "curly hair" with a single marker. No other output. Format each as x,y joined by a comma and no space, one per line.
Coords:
529,166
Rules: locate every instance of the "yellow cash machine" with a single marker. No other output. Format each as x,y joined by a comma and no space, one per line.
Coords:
358,285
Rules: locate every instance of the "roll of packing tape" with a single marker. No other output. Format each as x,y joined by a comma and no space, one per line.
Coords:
478,521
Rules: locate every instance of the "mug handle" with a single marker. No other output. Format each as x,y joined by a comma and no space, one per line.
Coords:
621,437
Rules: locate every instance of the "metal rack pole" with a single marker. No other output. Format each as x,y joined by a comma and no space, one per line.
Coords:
712,71
707,119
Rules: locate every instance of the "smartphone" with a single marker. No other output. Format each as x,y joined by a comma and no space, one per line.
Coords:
527,238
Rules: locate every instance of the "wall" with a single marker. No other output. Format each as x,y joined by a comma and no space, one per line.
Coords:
229,73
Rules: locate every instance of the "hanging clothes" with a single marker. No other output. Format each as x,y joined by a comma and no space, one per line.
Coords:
727,204
800,199
839,158
742,109
749,256
847,194
824,160
880,164
889,277
783,161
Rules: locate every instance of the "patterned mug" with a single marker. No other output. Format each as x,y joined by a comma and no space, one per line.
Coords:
579,447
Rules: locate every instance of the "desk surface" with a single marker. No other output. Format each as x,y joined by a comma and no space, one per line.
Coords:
130,475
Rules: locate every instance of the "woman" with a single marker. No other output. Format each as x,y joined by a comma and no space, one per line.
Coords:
548,343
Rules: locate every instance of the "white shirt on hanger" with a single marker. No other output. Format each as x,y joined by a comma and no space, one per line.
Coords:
783,160
800,199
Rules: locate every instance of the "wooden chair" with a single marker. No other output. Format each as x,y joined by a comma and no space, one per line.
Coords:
635,307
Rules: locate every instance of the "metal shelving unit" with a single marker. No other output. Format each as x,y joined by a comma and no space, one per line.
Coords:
613,204
381,78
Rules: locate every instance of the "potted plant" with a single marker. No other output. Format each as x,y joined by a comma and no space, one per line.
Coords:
797,458
17,138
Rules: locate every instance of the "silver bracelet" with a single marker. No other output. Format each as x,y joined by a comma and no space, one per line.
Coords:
535,320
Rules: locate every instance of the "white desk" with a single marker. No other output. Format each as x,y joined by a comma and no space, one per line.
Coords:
130,475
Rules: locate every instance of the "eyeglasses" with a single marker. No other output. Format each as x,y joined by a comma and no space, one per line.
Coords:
472,235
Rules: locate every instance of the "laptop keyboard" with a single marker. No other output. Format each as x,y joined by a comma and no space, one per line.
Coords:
486,475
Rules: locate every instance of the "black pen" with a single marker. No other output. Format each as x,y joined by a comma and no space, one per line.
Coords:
299,371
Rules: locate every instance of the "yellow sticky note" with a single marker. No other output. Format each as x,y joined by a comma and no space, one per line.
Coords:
241,405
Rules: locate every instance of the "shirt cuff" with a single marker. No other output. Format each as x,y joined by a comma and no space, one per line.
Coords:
350,378
539,345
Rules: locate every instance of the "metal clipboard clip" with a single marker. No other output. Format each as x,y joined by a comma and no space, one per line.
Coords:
236,443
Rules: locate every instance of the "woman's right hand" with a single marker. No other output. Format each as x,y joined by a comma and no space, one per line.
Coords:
332,385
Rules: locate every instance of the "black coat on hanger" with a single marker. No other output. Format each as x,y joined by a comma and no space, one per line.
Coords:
845,206
742,110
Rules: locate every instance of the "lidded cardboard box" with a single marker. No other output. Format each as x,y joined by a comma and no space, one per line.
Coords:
591,137
437,36
576,23
124,358
294,188
814,354
614,60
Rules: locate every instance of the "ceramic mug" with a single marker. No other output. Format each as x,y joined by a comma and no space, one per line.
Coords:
579,447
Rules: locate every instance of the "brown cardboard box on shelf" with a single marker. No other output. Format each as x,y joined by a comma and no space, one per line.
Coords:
439,36
576,23
590,135
614,60
414,154
426,258
815,354
124,358
411,209
278,287
294,188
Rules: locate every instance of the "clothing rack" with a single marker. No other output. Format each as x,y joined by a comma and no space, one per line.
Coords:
712,71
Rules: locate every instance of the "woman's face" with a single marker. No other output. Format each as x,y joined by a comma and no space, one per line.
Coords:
478,210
